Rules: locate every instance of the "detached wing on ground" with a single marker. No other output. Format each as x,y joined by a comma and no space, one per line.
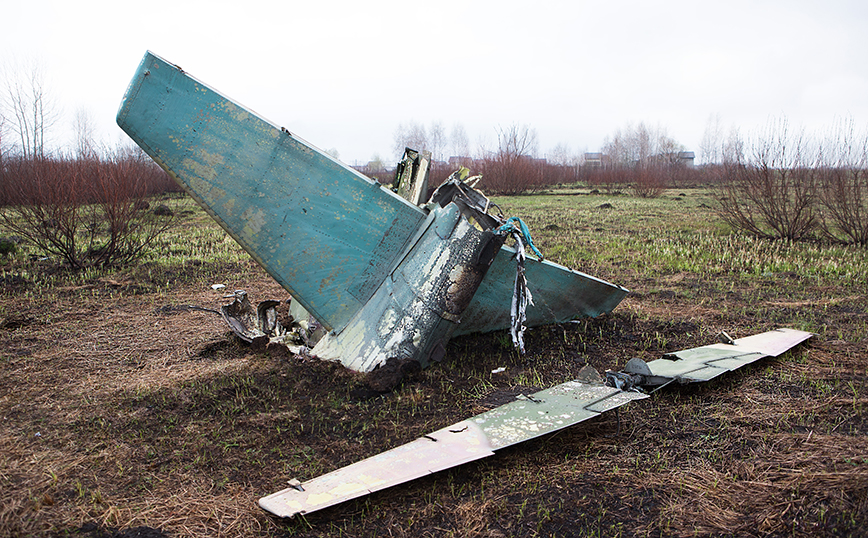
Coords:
526,418
707,362
468,440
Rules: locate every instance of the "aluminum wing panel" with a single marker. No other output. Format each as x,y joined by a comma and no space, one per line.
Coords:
460,443
548,411
326,233
544,412
707,362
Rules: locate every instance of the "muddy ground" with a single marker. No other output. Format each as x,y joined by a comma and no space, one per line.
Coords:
124,413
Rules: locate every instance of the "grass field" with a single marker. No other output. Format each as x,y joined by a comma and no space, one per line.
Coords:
124,413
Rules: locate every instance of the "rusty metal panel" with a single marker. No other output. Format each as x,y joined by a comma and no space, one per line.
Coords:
325,232
559,294
531,416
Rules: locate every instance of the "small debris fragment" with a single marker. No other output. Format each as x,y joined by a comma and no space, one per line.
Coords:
725,338
218,286
498,370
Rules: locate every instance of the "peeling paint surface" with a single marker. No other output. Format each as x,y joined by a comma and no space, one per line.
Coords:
414,307
330,230
549,410
465,441
527,417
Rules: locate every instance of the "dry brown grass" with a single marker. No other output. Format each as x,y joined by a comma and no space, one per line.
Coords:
121,413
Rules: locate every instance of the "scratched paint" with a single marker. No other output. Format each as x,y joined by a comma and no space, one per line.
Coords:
232,161
707,362
468,440
416,311
346,249
482,435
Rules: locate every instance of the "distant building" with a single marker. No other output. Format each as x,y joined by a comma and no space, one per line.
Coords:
594,160
686,158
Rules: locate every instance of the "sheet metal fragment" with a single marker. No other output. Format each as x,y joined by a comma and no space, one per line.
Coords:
475,438
707,362
525,418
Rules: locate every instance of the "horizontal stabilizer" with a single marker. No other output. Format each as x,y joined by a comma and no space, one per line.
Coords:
559,294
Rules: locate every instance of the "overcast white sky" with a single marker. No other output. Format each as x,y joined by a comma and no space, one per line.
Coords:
344,74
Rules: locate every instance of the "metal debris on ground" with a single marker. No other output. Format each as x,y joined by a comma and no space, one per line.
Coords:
260,326
527,417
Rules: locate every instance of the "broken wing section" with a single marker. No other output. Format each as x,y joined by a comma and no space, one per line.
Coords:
707,362
451,446
559,294
326,233
472,439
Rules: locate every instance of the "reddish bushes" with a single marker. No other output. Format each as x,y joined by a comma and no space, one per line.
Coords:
793,188
85,211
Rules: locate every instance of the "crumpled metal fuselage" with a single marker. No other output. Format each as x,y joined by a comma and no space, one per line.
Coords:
386,277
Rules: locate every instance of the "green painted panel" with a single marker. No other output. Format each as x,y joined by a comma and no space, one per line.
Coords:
326,233
559,294
549,410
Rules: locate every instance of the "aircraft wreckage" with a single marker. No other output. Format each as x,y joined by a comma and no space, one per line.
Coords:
382,277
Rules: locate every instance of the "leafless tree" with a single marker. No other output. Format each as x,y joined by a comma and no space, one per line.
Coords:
30,108
843,189
645,158
458,141
411,135
3,139
512,168
711,144
436,141
639,146
516,141
83,130
771,193
561,155
733,148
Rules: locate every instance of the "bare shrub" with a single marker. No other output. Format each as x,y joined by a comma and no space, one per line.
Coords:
650,181
85,211
512,169
843,186
771,192
510,176
559,174
610,179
